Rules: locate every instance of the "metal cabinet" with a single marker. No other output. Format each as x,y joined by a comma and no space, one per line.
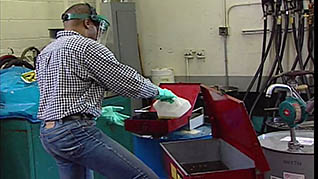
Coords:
122,38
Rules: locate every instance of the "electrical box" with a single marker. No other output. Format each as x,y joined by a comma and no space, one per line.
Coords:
223,31
122,33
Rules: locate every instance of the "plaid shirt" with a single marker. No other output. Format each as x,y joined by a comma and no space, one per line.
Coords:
73,73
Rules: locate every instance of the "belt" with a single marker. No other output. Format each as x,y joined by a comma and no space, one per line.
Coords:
77,116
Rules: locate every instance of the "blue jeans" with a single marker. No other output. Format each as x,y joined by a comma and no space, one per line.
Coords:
79,148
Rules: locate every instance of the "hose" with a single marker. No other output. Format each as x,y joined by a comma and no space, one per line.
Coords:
8,61
18,62
310,40
299,42
276,61
291,8
282,50
281,54
310,48
263,48
299,38
5,59
264,54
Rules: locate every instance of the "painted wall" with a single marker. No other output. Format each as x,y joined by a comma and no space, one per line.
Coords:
25,23
166,29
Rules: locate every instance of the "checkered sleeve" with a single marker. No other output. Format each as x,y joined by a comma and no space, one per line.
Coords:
116,77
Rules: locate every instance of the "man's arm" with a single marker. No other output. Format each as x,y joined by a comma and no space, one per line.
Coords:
116,77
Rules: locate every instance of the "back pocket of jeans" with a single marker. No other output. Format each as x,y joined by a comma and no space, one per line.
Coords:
57,135
66,143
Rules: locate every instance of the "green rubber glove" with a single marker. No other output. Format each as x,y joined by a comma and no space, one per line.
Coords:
112,115
165,95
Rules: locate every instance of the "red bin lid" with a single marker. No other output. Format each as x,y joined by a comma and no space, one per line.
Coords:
158,128
230,121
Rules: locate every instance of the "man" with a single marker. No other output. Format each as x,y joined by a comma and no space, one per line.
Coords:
73,73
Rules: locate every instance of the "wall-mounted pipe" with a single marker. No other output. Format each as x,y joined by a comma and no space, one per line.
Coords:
227,15
227,24
226,64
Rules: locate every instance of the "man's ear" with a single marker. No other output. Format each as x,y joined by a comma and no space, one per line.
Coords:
86,23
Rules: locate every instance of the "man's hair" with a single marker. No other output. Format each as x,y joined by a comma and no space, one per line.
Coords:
80,8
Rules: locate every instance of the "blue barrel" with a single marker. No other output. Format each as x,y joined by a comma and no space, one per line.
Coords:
149,151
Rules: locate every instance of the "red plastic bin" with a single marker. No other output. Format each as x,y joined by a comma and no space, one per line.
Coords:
234,151
158,128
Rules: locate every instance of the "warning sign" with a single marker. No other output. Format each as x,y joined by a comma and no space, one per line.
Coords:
287,175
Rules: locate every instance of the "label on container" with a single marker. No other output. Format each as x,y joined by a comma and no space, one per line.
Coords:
173,171
287,175
301,140
274,177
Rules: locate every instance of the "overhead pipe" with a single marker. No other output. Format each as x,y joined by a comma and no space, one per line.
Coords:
227,15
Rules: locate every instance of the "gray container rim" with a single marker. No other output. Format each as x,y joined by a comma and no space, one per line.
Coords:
288,152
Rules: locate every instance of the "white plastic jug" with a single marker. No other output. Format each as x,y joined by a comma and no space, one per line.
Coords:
162,75
166,110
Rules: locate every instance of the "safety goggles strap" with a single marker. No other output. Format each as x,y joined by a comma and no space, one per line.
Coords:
69,16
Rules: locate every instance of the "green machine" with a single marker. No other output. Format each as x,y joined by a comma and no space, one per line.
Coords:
293,110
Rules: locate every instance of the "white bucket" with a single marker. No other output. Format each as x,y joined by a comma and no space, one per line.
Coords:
162,75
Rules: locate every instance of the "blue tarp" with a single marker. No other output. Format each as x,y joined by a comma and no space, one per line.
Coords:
17,98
